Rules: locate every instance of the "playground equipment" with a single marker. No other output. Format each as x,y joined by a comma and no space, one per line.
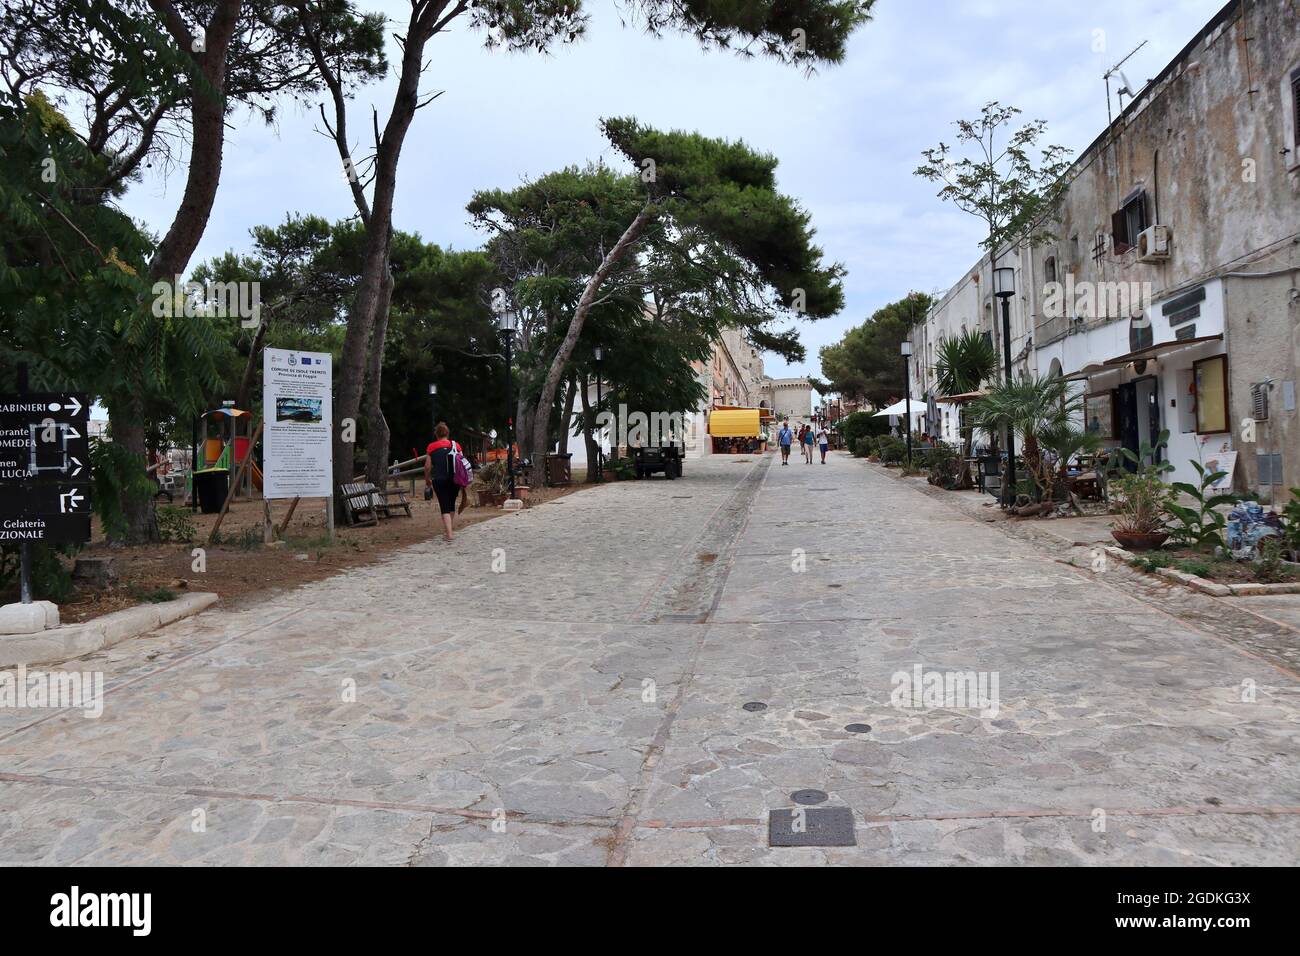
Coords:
219,449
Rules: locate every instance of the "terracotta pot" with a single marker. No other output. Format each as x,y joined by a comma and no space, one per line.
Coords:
1140,540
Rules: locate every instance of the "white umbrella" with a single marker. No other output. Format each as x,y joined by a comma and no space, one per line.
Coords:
900,408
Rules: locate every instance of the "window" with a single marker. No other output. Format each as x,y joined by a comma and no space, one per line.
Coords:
1211,376
1128,223
1049,269
1099,414
1295,107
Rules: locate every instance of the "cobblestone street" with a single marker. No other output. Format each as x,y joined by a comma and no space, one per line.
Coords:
585,705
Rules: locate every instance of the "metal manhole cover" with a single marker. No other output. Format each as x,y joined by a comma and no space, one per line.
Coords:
682,497
809,797
835,585
814,826
858,728
754,706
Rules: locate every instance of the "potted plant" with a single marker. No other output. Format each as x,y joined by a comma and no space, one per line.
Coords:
1139,500
491,484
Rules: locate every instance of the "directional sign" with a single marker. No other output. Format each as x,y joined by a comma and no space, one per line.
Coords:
44,467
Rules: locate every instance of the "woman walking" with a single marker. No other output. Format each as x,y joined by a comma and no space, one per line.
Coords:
440,475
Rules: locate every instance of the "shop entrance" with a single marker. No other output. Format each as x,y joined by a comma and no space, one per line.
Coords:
1138,411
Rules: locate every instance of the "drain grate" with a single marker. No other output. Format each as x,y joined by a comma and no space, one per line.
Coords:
817,826
754,706
809,797
858,728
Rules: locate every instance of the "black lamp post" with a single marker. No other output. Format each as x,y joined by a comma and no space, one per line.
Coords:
600,447
906,349
433,406
507,322
1004,287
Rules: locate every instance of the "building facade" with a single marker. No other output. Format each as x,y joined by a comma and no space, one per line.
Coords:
1170,290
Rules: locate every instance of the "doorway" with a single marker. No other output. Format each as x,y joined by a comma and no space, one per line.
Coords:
1138,412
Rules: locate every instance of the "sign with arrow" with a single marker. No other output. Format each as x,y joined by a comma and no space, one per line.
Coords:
44,467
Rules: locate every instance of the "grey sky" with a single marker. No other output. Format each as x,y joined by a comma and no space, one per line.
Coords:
847,138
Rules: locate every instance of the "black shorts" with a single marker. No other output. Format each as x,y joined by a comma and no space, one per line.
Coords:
447,492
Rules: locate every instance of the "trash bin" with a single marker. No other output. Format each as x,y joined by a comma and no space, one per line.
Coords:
558,471
211,486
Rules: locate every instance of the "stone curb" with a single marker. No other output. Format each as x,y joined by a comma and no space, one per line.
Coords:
1212,587
61,644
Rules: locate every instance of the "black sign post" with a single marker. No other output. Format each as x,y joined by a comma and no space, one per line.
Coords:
44,471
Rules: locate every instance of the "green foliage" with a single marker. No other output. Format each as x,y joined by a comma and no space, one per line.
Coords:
1269,568
862,424
946,465
963,363
1291,522
1003,183
1202,525
175,524
863,446
892,450
866,362
623,468
151,595
1035,409
51,578
118,477
492,478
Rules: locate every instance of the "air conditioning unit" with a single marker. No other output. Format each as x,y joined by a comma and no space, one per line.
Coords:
1153,244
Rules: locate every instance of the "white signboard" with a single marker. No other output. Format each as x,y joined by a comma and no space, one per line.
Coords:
296,408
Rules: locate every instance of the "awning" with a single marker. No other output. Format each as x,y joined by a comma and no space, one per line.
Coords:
229,412
734,423
960,399
1152,351
900,408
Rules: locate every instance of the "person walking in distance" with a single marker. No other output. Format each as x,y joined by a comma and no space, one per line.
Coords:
808,444
785,436
823,441
440,466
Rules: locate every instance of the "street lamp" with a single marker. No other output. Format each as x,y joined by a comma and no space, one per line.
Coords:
1004,287
433,405
906,350
600,447
507,323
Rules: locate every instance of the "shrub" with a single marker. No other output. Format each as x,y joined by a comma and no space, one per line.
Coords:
1200,527
864,447
175,524
892,450
862,425
946,465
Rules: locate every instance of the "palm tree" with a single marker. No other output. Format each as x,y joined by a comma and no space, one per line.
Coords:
962,366
1042,411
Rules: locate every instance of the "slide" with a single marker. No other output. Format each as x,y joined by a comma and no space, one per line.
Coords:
257,475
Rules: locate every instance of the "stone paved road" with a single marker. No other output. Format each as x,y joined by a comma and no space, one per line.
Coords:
584,706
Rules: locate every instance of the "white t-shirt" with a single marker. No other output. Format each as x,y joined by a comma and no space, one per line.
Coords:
822,437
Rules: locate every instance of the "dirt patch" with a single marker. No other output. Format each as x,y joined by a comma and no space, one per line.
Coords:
242,567
1212,569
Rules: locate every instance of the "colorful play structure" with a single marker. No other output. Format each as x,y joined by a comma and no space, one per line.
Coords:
222,441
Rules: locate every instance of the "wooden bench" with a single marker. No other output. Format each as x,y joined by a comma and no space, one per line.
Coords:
364,504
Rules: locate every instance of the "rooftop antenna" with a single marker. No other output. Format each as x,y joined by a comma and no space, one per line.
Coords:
1126,88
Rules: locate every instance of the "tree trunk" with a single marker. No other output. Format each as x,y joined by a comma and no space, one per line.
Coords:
244,396
625,245
377,433
207,139
126,415
589,432
566,417
357,340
